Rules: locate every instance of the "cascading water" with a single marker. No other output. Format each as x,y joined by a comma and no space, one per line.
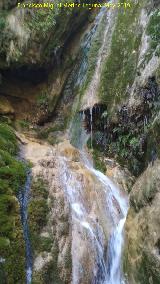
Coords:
91,122
88,233
98,209
115,244
23,198
114,275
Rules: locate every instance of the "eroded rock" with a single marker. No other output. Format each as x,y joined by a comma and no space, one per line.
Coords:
142,258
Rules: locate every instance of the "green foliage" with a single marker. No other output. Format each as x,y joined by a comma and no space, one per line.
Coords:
42,21
153,29
99,163
12,178
38,217
127,148
119,69
24,124
45,244
2,20
42,99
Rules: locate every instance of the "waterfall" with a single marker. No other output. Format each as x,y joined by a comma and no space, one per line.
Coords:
105,207
87,230
90,97
91,125
23,198
114,254
115,244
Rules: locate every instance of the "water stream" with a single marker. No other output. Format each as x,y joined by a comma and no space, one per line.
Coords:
115,244
23,198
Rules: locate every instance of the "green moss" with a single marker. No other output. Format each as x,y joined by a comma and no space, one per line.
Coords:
37,221
43,99
93,53
12,178
120,67
153,28
50,273
23,124
8,140
38,218
98,161
153,138
2,20
42,21
144,269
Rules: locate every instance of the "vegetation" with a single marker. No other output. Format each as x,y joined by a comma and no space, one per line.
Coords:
98,161
153,29
128,148
12,179
43,20
133,137
43,99
97,154
93,53
5,38
2,21
23,124
43,23
37,221
120,67
38,218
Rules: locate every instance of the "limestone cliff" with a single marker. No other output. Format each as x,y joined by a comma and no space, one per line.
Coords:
128,95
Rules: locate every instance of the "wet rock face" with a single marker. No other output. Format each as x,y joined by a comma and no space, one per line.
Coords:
7,4
156,3
142,258
126,135
5,107
36,37
33,45
70,212
52,247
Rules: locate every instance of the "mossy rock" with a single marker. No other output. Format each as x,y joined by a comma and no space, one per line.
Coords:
12,179
120,67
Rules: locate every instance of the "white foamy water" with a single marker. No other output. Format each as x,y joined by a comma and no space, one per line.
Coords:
88,233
